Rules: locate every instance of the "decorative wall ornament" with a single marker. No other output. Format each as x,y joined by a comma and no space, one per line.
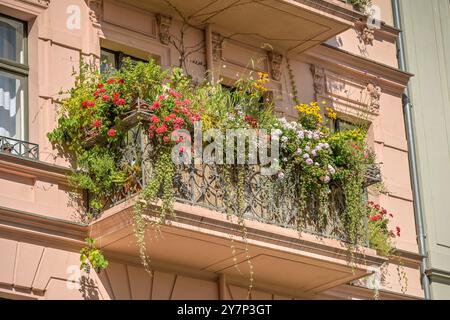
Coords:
275,60
366,34
319,78
217,46
41,3
164,23
374,93
96,11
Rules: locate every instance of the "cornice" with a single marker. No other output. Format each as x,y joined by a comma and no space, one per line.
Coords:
439,276
52,230
34,168
349,64
39,3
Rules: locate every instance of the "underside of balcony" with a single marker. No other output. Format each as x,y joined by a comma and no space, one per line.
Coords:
294,26
206,241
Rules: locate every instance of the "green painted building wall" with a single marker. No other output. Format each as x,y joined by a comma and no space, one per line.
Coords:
426,27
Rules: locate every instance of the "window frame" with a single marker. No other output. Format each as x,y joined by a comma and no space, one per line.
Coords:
21,70
118,57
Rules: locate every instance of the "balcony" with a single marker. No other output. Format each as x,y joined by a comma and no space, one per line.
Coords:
19,148
198,237
291,25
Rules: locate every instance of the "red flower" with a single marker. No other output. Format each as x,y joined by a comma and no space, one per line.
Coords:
167,119
100,85
162,97
398,231
251,121
178,103
172,115
154,119
88,104
161,129
155,105
150,135
187,102
112,133
153,127
105,98
383,212
97,123
175,94
115,96
120,102
166,139
121,81
179,121
111,81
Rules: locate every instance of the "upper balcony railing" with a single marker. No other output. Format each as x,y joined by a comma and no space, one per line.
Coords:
202,185
19,148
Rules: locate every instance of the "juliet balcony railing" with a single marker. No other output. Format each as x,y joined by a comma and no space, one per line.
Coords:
19,148
203,186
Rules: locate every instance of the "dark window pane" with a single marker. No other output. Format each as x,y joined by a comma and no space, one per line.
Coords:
12,40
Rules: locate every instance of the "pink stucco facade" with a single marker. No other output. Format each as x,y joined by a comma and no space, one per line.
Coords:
41,231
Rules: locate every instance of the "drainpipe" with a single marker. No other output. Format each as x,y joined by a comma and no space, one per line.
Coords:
418,213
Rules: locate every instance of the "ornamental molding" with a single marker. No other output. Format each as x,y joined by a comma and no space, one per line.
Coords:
275,60
374,95
319,79
366,35
40,3
164,23
217,46
95,11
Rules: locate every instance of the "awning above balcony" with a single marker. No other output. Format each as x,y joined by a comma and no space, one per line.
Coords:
199,240
284,24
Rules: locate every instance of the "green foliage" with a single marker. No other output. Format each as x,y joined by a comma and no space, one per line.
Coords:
314,162
91,256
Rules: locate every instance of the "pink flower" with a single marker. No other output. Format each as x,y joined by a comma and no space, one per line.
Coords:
166,139
398,231
182,150
112,133
167,119
172,115
179,121
154,119
105,98
161,129
155,105
178,103
97,123
120,102
187,102
175,94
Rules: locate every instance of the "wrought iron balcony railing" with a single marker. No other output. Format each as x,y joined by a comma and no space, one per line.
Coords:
203,185
19,148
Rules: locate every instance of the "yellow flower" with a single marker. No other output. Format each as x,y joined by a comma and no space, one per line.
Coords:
331,113
312,109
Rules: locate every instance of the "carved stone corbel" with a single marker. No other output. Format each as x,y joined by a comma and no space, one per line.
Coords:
164,23
275,59
366,35
217,46
95,11
319,80
374,93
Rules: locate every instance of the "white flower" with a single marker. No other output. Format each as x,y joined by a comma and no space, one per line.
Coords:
284,139
331,170
316,136
280,175
326,179
306,156
301,134
310,135
309,161
317,164
326,145
299,151
285,159
314,153
307,148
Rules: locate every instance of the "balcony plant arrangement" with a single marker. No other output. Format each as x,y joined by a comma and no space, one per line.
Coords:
318,180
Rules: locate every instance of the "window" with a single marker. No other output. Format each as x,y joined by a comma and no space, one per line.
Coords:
342,125
13,78
110,59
